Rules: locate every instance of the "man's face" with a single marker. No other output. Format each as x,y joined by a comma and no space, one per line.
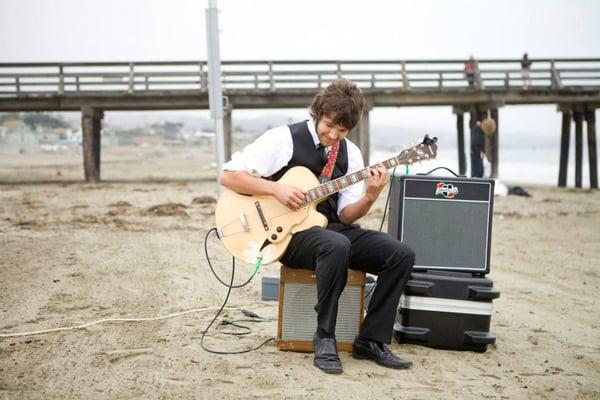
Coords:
328,132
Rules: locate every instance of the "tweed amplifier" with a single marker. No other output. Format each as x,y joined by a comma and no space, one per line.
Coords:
298,318
446,221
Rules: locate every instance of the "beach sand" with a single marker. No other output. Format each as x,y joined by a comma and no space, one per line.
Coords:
132,246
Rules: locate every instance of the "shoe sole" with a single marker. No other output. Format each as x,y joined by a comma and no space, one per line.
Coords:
357,356
331,371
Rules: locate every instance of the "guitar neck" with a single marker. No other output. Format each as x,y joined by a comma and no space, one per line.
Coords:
328,188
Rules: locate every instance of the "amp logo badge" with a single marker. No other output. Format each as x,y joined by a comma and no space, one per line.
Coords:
447,190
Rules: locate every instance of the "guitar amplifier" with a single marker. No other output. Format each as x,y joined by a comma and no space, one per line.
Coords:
446,221
298,319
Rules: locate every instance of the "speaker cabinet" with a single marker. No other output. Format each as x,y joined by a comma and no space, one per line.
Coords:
446,221
298,319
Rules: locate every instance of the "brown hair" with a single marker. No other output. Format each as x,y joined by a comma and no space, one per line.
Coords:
342,101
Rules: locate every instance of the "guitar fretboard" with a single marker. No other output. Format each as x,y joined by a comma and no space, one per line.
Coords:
335,185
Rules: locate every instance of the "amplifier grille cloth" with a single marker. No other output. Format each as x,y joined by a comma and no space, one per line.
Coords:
300,318
446,234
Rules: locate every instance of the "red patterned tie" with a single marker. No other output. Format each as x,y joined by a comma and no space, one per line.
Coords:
331,159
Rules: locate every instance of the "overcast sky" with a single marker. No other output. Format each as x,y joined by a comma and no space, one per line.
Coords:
110,30
128,30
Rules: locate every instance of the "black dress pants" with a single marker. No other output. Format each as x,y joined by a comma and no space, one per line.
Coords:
331,251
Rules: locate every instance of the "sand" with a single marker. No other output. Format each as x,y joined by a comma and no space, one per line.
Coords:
132,246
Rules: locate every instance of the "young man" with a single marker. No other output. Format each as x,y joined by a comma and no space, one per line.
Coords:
335,111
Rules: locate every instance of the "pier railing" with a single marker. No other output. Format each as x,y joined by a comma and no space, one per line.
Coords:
57,79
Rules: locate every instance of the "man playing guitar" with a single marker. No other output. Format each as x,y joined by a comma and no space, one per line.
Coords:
331,250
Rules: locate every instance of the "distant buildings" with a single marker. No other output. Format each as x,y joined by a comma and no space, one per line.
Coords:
47,132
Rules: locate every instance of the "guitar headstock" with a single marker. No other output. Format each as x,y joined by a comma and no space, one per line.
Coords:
424,150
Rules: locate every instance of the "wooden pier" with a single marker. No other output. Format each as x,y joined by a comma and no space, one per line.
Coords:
93,88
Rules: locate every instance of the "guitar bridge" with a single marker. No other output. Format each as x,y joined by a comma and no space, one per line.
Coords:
244,223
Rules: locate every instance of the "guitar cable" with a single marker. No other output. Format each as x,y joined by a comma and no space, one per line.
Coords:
254,317
387,199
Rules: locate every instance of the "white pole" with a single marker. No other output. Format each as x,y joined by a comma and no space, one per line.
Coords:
215,95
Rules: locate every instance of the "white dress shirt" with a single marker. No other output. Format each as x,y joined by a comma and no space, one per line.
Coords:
273,150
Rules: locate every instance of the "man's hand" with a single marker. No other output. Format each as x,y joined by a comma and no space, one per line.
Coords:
290,196
376,182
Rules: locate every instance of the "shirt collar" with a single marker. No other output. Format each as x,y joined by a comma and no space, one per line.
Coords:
313,131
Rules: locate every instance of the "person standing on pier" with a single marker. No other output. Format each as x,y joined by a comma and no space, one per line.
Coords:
470,69
525,64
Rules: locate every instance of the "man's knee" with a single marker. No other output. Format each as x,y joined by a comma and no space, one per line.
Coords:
404,255
410,256
337,248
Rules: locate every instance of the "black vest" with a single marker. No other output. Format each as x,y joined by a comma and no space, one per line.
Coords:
306,154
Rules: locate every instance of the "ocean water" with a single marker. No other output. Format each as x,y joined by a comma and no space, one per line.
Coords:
523,165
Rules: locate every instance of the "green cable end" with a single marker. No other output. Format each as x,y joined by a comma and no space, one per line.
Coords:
257,263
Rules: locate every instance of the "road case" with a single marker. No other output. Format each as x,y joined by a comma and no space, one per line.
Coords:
446,310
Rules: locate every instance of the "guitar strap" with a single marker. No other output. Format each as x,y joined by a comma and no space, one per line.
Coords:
331,159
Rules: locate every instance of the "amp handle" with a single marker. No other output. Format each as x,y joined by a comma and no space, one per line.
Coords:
410,333
483,293
446,168
423,288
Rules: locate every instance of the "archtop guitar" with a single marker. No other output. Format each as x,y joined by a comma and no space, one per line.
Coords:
260,227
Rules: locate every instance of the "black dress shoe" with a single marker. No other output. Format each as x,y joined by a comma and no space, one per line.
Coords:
326,356
372,350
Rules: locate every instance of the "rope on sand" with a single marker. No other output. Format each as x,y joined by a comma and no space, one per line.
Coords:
101,321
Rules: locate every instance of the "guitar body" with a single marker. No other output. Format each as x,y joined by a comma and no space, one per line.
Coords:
245,223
